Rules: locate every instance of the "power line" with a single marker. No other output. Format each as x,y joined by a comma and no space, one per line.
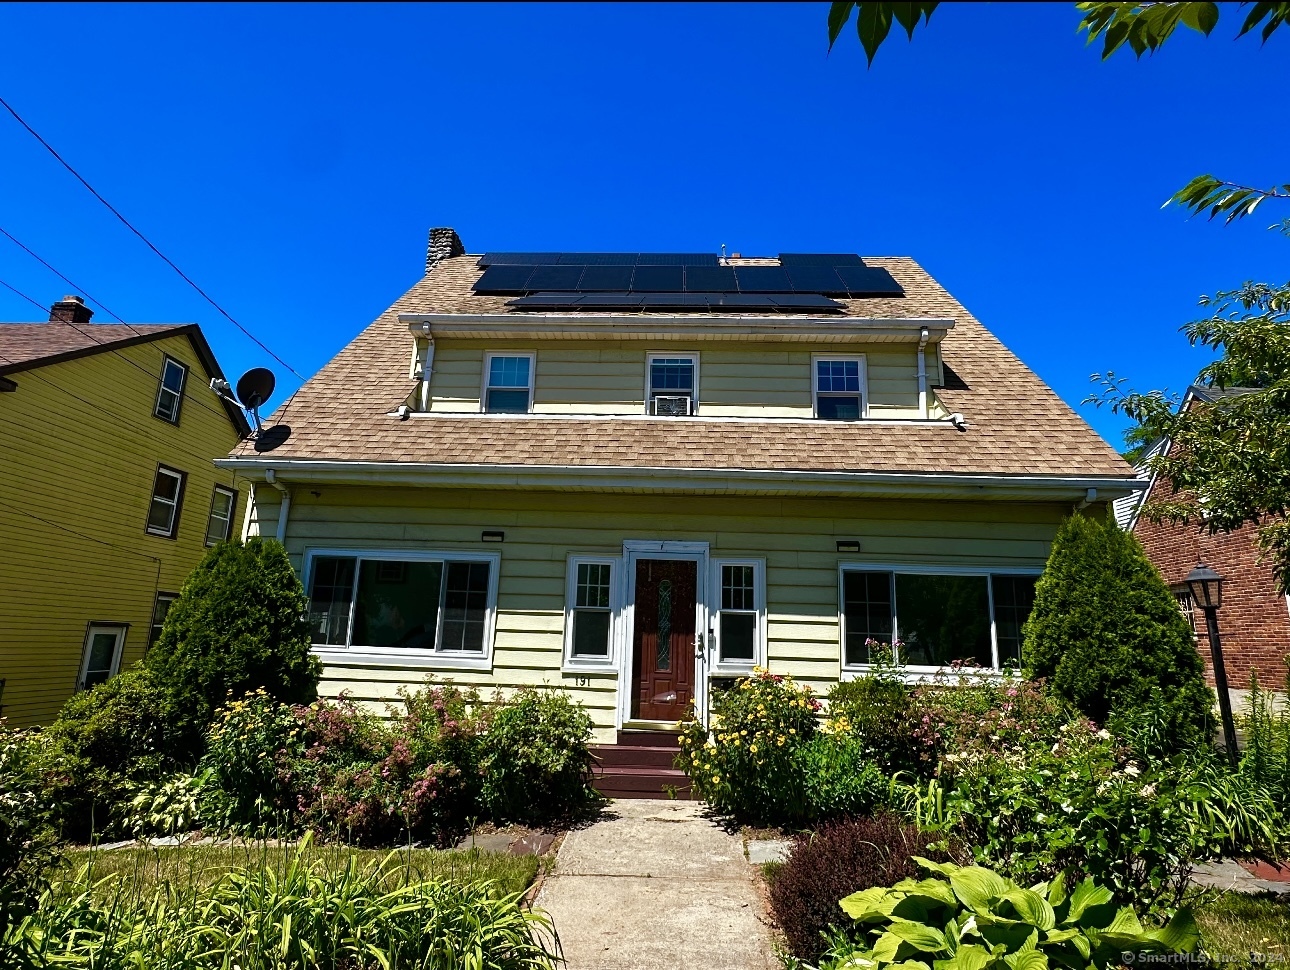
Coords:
39,306
82,535
75,286
126,222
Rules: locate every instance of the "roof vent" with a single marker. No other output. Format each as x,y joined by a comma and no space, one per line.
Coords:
444,244
70,309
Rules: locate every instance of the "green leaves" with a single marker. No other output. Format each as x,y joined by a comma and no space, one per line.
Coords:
1143,26
873,22
1086,896
1207,193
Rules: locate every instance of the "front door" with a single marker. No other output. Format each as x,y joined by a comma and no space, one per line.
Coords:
663,641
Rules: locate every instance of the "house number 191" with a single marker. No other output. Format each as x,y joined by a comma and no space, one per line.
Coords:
584,681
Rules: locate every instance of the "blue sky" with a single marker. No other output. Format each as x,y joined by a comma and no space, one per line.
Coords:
291,158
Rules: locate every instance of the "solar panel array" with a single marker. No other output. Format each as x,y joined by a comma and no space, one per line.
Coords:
679,281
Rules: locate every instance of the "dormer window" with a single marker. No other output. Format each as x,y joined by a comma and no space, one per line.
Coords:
508,383
839,388
673,379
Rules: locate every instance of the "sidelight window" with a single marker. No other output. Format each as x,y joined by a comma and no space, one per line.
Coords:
590,603
739,622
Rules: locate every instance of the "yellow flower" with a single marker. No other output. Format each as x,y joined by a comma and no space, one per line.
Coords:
752,748
780,742
744,733
716,778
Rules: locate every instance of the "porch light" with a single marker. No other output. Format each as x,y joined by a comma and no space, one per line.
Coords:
493,537
848,545
1206,587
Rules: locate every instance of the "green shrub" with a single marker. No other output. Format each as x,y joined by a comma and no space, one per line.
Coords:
237,625
1106,633
250,748
166,807
309,915
885,716
28,847
836,860
536,765
748,763
1266,758
974,918
838,778
104,744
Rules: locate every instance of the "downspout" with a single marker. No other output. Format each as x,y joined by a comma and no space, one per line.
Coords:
427,368
1089,498
922,374
285,508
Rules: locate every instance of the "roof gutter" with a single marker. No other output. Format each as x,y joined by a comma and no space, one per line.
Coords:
706,480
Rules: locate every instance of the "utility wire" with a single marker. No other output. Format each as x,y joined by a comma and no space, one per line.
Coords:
39,306
126,222
75,286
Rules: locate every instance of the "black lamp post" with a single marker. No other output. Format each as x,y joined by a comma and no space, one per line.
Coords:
1207,592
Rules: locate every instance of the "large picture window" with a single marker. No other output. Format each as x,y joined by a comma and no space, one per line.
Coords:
429,604
939,618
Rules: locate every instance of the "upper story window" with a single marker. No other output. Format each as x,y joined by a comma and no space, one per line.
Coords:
508,383
839,388
219,525
170,393
673,380
167,499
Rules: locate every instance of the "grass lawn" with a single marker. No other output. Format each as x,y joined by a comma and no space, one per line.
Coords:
143,868
1237,924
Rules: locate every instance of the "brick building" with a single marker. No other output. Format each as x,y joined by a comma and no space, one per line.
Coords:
1254,620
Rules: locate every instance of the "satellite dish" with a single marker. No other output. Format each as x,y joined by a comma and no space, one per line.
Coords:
254,388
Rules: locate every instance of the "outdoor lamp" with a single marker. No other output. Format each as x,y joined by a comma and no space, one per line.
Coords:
1206,587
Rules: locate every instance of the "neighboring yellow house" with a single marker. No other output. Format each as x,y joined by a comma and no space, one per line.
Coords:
108,495
638,476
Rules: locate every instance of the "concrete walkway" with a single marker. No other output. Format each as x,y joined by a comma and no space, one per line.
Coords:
654,884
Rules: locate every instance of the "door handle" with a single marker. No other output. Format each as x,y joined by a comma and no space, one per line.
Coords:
698,646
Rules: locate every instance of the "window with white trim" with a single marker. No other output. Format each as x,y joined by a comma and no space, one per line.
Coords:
673,381
219,524
937,618
839,388
170,392
102,656
167,500
738,623
589,610
508,383
439,605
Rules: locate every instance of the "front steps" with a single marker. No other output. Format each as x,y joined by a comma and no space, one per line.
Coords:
639,766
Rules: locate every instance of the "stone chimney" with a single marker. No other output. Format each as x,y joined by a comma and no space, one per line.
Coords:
444,244
70,309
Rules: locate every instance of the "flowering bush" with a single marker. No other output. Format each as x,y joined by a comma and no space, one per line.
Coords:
27,843
885,715
748,764
250,749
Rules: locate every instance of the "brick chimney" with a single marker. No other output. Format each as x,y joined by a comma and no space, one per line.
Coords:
444,244
70,309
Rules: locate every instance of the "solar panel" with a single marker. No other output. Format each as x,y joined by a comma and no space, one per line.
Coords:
555,277
504,279
677,259
820,259
599,259
709,279
805,301
762,279
693,300
606,279
657,279
869,281
612,301
740,300
816,279
518,259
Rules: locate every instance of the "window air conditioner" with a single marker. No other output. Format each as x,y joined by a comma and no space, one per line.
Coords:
672,407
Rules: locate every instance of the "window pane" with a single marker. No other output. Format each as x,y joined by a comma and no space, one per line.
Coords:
838,408
837,375
508,372
217,528
330,594
166,486
866,608
1014,597
159,610
398,604
161,516
591,633
593,585
941,619
167,404
99,666
737,590
465,606
671,374
508,402
173,378
738,636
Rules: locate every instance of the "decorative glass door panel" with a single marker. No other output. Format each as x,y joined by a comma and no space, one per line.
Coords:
663,642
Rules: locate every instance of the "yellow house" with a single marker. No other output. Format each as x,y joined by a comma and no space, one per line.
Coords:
108,495
637,476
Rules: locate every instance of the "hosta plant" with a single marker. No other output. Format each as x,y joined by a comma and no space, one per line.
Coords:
168,807
969,918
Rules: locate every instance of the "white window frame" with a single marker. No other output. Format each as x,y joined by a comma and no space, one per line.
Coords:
403,656
176,506
166,361
719,667
815,382
488,366
574,664
102,626
653,355
917,672
210,514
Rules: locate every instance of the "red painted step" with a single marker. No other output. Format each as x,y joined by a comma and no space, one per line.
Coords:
639,766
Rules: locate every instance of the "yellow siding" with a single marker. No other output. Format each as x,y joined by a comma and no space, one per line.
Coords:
795,536
81,449
735,380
